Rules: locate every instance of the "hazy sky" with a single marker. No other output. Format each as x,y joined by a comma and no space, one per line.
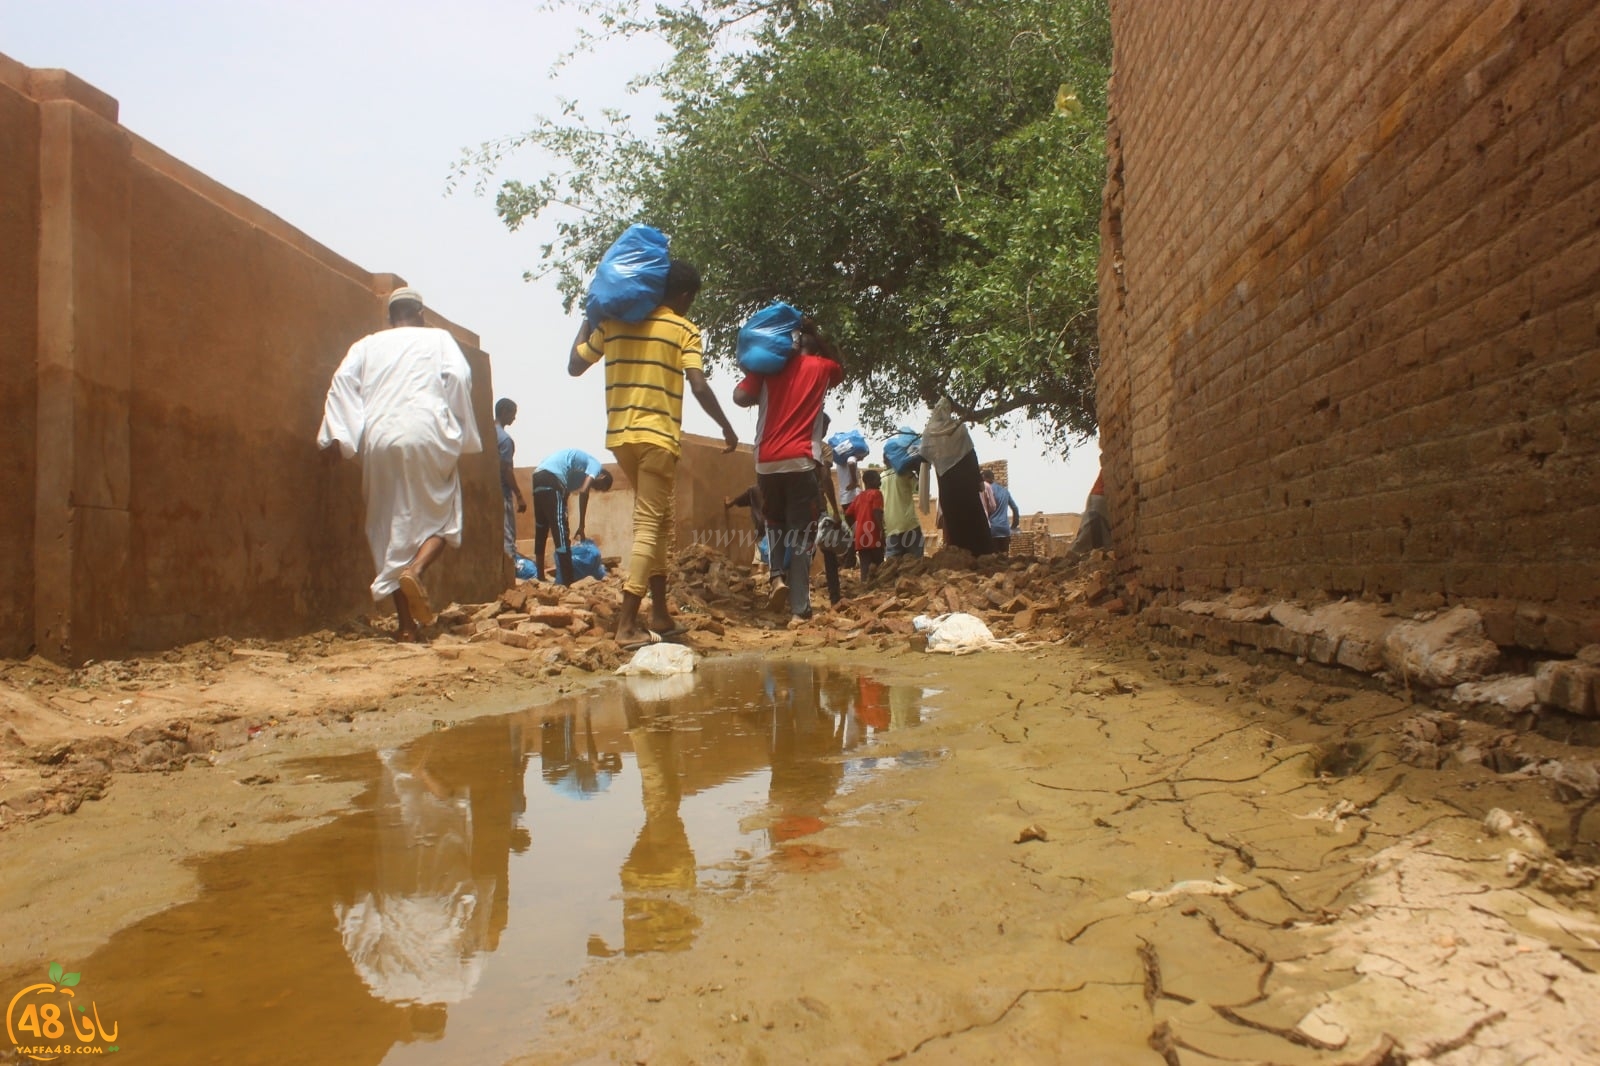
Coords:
344,119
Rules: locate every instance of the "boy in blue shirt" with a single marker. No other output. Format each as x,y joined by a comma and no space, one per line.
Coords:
558,477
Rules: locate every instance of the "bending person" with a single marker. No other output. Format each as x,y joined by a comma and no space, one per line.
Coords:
558,477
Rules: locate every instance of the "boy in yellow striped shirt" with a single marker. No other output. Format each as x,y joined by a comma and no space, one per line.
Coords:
647,364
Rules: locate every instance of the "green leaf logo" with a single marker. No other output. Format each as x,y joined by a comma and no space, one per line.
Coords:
55,971
71,979
82,1009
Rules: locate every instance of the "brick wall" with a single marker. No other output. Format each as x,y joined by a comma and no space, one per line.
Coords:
168,347
1350,287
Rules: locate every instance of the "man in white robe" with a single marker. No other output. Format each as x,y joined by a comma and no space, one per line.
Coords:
402,401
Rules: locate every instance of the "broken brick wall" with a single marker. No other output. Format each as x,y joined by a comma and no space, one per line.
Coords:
183,341
1350,286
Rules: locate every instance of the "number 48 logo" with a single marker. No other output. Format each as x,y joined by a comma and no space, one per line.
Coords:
46,1011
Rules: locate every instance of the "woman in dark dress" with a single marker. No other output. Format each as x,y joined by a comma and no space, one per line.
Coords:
947,446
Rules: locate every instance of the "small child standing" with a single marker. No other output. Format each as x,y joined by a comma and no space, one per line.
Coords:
866,514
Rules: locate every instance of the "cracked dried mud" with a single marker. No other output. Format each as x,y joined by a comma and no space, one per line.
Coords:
1127,853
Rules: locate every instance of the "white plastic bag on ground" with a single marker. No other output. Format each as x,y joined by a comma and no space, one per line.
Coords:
956,634
661,660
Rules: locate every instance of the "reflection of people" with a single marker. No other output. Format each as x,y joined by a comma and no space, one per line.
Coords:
661,861
402,400
420,936
802,737
578,773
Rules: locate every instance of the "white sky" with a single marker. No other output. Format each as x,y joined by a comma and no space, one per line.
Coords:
344,119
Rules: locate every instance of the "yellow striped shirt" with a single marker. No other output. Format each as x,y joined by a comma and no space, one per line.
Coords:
645,364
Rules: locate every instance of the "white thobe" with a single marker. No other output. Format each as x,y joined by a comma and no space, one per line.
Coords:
402,400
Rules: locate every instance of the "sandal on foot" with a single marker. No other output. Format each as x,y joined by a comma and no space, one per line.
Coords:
416,598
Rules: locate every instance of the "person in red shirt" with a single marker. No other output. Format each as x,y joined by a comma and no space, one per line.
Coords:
788,449
866,514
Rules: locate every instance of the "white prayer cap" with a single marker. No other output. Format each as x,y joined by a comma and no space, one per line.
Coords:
407,293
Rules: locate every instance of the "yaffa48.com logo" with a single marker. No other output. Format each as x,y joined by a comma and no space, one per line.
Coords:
48,1020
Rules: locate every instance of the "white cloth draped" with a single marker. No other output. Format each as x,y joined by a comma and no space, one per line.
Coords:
402,400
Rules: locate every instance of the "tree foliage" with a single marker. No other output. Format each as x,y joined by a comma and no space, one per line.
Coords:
922,176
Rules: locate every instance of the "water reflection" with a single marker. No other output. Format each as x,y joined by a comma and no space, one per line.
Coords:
485,863
418,935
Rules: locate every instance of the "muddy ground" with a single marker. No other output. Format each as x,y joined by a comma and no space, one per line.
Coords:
1129,851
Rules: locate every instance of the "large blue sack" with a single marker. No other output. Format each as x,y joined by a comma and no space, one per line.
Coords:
631,280
586,561
849,444
766,340
901,451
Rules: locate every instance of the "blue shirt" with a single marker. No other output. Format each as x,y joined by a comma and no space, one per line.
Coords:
572,466
1005,512
508,448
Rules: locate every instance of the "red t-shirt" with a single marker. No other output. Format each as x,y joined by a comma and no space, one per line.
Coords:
790,429
860,513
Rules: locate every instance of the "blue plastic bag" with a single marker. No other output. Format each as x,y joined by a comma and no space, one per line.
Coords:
901,451
631,280
586,561
766,340
526,570
849,444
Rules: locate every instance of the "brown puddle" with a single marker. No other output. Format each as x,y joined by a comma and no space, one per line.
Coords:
485,864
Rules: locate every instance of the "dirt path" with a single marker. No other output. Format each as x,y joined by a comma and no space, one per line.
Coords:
1126,852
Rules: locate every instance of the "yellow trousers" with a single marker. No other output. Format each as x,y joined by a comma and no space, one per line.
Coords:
654,473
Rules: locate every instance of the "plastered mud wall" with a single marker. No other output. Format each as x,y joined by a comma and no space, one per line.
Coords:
1350,289
166,393
19,288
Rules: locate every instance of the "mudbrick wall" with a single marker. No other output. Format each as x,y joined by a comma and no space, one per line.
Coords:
1350,291
168,344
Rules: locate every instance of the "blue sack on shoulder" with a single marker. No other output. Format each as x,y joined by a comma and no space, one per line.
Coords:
901,451
631,280
849,444
586,561
766,340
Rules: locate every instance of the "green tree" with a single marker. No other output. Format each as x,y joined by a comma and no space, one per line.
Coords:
923,177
